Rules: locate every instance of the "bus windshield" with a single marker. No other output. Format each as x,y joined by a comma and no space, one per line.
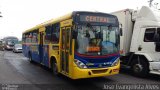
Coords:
12,41
97,40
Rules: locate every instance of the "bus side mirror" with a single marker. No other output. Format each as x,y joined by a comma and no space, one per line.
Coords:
120,29
74,34
121,33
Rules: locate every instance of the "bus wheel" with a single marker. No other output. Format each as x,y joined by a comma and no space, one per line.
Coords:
140,68
55,69
30,58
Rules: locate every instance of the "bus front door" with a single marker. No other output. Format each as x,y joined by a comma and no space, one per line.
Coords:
65,49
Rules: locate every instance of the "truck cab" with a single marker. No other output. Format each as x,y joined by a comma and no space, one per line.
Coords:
140,40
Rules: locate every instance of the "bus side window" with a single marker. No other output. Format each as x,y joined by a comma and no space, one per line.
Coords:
24,38
27,38
30,38
55,33
48,34
35,36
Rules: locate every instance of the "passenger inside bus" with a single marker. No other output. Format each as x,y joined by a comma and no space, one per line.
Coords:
108,39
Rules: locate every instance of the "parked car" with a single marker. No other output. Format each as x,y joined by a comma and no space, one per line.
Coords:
17,48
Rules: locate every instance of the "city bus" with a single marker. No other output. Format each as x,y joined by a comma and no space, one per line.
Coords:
78,45
9,42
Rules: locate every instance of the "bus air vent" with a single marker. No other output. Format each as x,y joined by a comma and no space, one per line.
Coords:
99,71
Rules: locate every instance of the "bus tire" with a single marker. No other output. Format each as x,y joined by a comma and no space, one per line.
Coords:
30,57
140,69
55,68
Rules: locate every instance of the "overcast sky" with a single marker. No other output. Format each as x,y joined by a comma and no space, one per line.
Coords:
19,15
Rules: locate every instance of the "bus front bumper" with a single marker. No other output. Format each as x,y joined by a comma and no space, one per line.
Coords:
99,72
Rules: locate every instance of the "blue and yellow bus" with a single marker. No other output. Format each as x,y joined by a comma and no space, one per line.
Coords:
78,45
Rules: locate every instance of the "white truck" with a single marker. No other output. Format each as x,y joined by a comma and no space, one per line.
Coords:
140,40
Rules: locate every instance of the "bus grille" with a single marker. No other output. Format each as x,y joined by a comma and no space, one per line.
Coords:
99,71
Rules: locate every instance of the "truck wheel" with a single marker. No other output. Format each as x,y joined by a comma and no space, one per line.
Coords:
55,69
140,68
30,58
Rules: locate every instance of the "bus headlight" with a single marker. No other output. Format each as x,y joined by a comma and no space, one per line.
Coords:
80,64
115,63
8,46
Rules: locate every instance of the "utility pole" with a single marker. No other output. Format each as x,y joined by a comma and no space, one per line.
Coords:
150,3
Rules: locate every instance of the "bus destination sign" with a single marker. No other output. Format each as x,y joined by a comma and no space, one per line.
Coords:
101,19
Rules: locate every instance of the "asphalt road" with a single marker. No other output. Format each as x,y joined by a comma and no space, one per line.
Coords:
17,72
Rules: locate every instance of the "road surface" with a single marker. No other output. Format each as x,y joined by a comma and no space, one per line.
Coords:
17,72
